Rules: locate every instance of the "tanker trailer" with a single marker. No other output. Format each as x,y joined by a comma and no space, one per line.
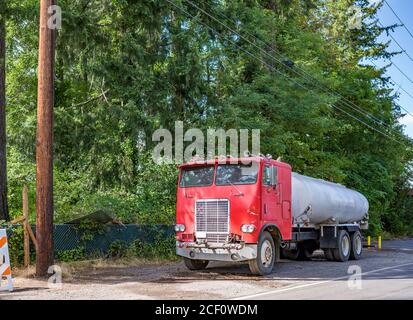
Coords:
326,215
318,201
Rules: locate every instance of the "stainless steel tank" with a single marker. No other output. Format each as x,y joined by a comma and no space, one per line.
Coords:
317,201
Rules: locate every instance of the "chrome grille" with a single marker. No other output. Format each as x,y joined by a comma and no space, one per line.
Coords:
212,218
216,238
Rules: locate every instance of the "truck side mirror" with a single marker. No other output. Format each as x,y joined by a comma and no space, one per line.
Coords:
274,176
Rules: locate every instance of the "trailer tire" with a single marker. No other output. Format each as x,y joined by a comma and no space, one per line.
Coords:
195,264
342,253
264,263
356,245
329,254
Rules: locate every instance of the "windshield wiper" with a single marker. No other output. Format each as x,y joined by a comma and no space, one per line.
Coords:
236,188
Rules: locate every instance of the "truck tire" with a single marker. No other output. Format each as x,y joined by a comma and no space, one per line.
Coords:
307,249
301,253
195,264
342,253
290,254
329,254
356,245
266,254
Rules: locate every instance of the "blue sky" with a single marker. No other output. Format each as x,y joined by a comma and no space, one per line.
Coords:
404,9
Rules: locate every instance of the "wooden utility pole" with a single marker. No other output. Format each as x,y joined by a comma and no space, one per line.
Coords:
26,225
4,212
44,142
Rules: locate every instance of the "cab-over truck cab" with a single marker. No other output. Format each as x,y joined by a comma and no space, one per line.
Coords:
233,210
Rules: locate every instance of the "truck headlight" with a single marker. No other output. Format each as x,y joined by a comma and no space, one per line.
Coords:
247,228
179,228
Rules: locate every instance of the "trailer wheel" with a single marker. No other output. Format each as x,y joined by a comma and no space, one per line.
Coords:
342,253
195,264
356,245
264,262
329,254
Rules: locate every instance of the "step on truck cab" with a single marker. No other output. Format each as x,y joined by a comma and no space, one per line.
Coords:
255,209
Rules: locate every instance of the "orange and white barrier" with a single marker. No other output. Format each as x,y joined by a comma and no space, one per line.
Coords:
5,268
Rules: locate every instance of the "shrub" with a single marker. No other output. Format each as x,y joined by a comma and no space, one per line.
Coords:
117,249
76,254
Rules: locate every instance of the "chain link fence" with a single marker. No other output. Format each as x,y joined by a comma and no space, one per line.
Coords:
71,236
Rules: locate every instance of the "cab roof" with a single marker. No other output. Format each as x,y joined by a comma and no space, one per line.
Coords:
230,160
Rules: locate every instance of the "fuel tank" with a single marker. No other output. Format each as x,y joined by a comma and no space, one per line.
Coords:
316,201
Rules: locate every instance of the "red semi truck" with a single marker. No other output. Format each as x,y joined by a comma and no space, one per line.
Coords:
256,209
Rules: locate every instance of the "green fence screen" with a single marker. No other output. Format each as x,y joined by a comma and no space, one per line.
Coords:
69,236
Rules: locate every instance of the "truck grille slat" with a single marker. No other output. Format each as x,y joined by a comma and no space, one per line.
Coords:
212,217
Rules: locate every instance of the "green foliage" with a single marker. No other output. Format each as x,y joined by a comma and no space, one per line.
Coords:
76,254
126,68
160,249
117,249
90,229
150,201
16,247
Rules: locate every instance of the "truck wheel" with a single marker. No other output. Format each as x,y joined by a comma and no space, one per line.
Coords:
195,264
264,262
329,254
290,254
342,253
300,254
305,254
356,245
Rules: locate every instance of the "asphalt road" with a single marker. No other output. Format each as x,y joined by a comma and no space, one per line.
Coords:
393,283
406,245
361,283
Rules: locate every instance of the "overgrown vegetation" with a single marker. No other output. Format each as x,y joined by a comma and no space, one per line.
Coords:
154,244
125,68
162,248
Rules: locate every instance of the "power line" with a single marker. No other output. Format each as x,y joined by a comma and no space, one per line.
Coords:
312,79
394,82
397,16
401,88
398,44
404,90
401,71
408,112
282,74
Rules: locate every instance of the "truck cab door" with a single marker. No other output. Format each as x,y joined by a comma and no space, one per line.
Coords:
271,196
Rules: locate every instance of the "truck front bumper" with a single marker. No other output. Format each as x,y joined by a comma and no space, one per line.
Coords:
217,253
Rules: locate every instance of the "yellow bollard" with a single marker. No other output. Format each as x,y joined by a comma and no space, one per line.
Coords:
368,242
379,243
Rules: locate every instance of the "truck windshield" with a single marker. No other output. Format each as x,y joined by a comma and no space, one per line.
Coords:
197,177
228,174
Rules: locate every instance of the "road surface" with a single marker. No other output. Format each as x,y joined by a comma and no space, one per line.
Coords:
394,282
385,274
389,282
